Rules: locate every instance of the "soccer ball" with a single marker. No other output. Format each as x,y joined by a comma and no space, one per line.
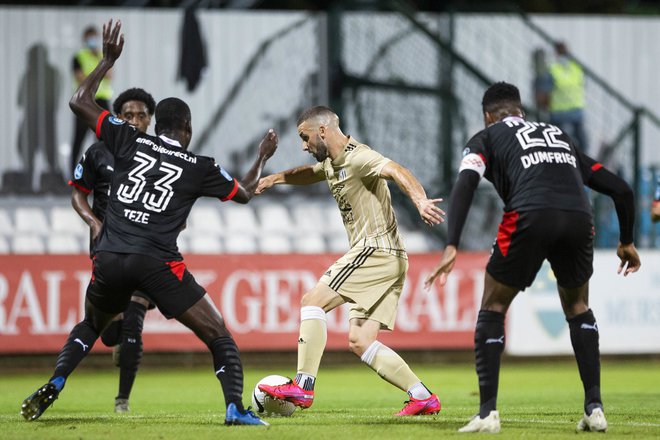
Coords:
265,405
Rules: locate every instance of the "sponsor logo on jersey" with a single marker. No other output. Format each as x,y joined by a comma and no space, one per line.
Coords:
342,174
225,174
115,120
78,172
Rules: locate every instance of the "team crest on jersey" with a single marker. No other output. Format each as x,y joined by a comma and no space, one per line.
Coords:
116,121
78,172
466,152
225,174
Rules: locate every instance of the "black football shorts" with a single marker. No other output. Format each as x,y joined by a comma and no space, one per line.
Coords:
115,277
525,239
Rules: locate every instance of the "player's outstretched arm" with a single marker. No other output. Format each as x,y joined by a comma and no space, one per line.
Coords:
81,205
82,102
428,211
304,175
248,185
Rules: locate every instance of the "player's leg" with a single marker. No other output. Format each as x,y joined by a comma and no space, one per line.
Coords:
204,319
104,300
585,341
311,344
178,295
363,342
517,256
111,336
77,346
572,262
130,351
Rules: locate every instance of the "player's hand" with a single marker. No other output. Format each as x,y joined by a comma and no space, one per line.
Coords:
113,41
443,268
655,211
629,259
96,229
264,184
431,214
268,144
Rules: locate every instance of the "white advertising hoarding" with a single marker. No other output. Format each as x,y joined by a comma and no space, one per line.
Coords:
627,310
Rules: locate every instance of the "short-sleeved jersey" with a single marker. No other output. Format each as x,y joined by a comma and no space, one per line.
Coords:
533,165
154,186
363,197
93,175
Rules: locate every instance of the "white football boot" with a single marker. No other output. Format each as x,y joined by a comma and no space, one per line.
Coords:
595,422
488,424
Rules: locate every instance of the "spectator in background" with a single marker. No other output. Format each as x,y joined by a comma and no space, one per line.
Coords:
564,90
84,62
38,96
655,208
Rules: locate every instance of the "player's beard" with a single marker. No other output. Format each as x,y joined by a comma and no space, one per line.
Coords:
321,153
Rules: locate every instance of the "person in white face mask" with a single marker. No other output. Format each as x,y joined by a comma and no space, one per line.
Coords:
567,96
84,61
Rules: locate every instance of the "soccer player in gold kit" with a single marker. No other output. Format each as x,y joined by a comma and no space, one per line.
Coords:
371,274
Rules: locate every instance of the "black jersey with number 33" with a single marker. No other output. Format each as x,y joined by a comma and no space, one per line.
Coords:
154,186
533,165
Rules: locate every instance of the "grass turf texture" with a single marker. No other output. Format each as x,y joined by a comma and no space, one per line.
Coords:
537,400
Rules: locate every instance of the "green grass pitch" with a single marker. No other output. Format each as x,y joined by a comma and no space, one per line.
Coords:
537,400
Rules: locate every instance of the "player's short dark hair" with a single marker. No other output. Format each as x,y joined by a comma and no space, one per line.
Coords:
172,113
314,112
501,95
134,94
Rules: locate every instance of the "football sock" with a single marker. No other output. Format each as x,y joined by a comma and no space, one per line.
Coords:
419,391
390,366
305,381
228,369
130,353
488,348
111,336
77,346
584,338
312,339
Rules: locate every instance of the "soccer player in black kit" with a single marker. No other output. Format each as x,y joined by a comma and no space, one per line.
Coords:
539,174
93,175
154,185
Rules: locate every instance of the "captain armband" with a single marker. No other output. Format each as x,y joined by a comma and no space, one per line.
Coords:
474,162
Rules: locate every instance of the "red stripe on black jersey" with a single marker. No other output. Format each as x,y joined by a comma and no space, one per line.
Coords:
80,187
506,230
482,157
596,166
232,193
99,121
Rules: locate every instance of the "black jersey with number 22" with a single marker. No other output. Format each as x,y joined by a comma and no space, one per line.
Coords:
533,165
154,186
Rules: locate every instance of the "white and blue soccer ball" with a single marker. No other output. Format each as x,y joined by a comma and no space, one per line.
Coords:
265,405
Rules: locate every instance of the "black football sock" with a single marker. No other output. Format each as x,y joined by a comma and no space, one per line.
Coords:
77,346
488,348
111,336
130,353
584,338
228,369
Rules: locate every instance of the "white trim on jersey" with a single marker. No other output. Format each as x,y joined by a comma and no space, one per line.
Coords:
473,162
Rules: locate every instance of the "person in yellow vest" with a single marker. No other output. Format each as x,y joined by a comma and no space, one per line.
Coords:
84,61
567,97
